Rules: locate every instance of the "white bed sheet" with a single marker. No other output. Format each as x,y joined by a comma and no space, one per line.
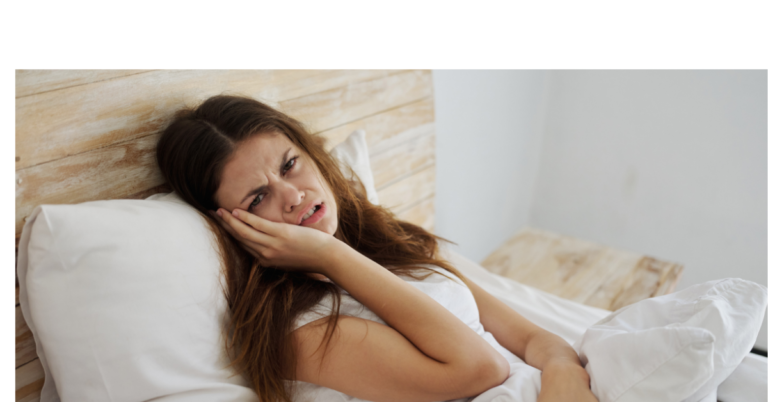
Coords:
569,320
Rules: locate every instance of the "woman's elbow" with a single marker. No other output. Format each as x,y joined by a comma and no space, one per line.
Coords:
487,373
496,370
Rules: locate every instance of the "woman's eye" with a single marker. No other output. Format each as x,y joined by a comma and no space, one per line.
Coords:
257,200
289,164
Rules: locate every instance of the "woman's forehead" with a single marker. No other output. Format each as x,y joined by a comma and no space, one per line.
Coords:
250,165
258,154
263,145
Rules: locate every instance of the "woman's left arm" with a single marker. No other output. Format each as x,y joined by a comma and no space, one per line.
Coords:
562,376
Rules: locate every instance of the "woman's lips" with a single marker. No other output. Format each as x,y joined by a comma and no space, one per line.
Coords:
315,217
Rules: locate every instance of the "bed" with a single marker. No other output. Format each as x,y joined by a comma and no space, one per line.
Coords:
89,135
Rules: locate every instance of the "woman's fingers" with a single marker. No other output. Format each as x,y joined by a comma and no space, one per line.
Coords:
254,221
245,244
243,232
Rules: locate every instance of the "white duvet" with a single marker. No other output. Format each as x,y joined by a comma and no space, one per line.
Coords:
747,382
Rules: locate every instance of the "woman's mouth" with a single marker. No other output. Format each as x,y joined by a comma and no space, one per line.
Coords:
313,215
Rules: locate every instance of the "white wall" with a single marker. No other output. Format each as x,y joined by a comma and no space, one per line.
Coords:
667,163
489,126
670,164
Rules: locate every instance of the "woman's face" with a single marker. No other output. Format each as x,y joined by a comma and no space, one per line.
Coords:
270,177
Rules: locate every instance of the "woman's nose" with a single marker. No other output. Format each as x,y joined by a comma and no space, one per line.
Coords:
292,197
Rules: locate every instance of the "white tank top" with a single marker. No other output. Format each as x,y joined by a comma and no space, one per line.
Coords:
452,294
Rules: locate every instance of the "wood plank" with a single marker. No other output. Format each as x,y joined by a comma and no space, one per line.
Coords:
26,351
29,381
615,282
422,214
398,162
561,265
513,260
336,107
30,82
322,81
101,174
669,279
386,129
645,281
405,192
69,121
582,271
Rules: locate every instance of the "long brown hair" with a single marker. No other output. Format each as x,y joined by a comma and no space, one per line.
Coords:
264,302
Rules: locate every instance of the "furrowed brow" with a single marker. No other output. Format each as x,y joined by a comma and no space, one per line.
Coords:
261,188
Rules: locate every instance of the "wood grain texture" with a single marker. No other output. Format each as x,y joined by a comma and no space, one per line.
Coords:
403,159
25,343
69,121
582,271
404,193
29,381
668,279
422,214
324,110
30,82
105,173
649,278
384,130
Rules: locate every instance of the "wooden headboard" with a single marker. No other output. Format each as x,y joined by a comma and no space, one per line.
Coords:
85,135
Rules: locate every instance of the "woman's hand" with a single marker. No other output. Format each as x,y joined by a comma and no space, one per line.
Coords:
278,244
562,376
565,381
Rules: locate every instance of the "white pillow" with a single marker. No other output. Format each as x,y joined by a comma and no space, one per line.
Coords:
125,303
353,157
124,297
677,347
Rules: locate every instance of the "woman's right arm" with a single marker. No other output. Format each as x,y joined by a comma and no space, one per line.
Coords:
426,354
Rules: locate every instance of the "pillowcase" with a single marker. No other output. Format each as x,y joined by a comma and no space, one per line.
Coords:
352,155
124,297
125,303
677,347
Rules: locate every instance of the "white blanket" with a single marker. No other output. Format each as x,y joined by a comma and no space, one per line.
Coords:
570,320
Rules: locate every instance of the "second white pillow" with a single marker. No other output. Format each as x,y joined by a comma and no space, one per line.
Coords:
352,155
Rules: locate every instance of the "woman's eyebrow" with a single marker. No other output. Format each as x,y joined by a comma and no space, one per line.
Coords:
261,188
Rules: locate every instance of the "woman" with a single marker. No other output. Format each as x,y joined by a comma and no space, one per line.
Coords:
295,235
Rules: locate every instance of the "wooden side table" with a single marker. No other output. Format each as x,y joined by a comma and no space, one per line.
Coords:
582,271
